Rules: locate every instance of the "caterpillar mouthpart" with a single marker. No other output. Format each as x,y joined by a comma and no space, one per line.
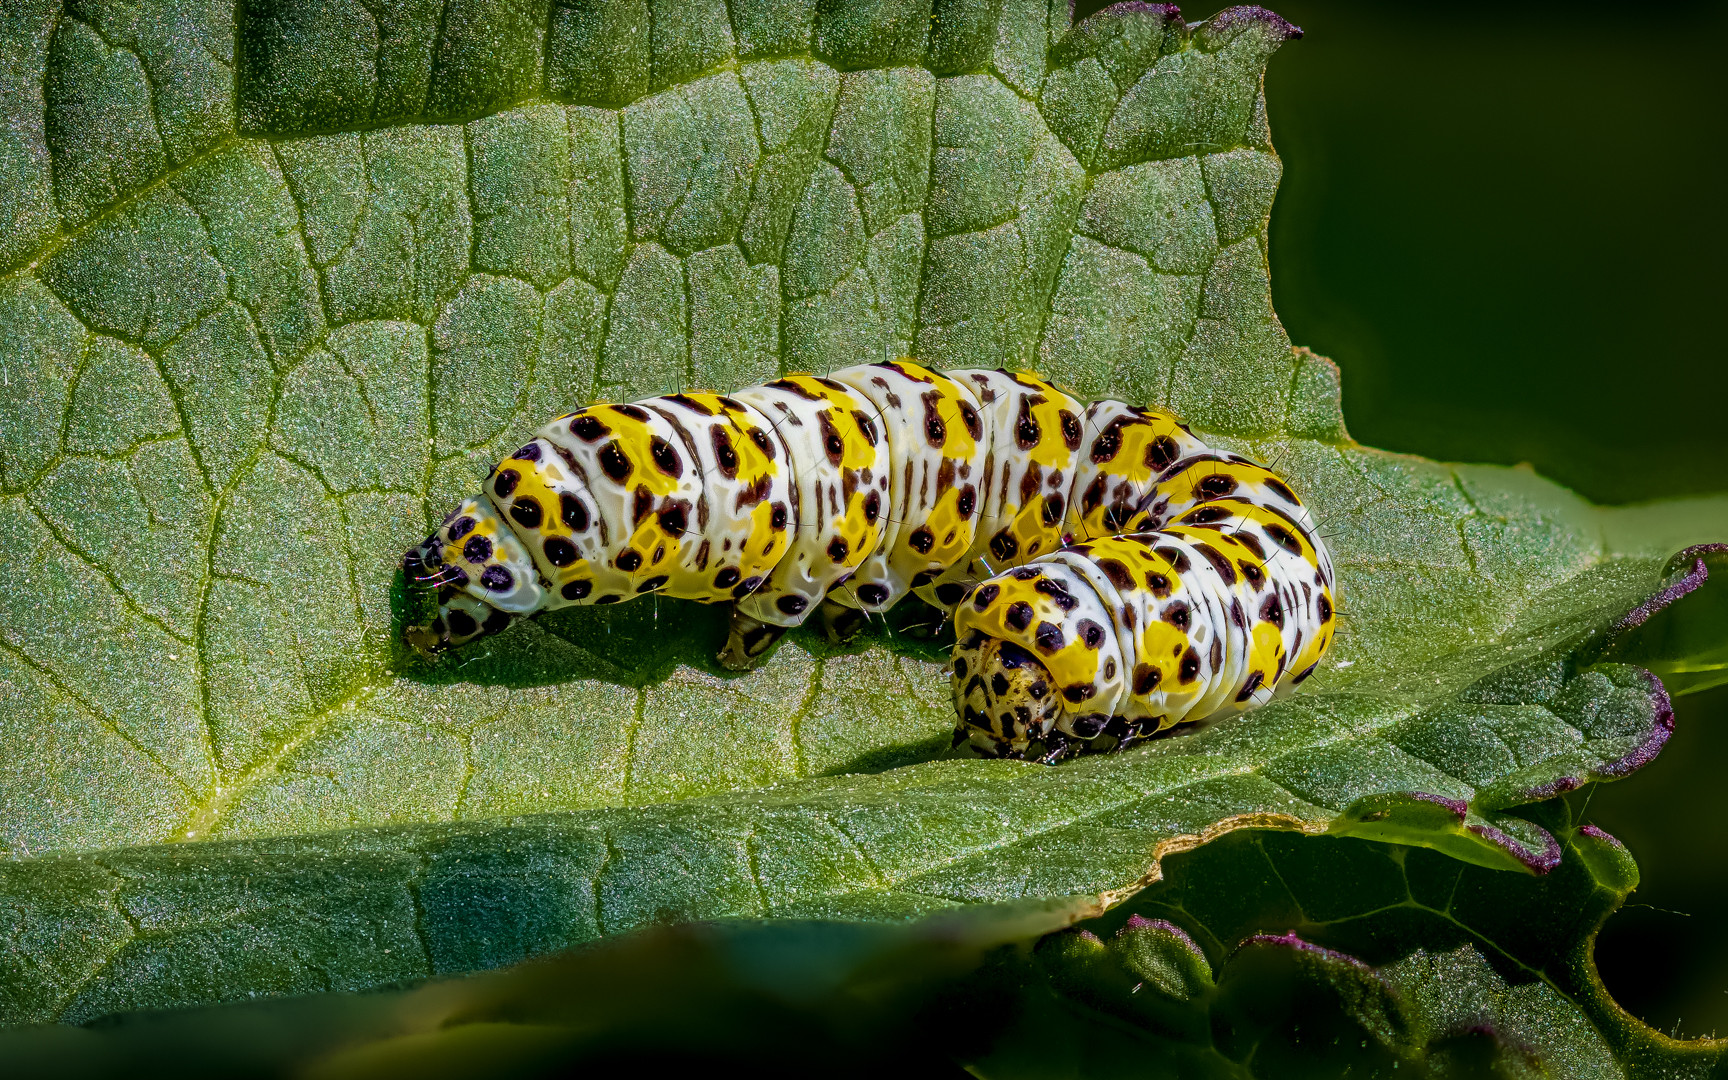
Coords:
424,626
425,640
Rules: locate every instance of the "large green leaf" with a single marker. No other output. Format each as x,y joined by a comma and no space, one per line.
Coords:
1265,954
286,275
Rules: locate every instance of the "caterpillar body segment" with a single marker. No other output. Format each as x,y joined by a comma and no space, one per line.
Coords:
1129,450
663,477
1110,641
1032,434
989,493
839,491
840,497
936,451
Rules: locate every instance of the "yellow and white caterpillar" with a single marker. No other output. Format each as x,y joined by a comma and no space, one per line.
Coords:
1110,575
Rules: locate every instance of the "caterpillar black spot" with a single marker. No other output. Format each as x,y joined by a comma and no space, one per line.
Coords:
1110,575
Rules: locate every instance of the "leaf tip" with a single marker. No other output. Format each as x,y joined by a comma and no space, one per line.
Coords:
1686,572
1538,860
1225,25
1607,859
1291,941
1549,790
1140,924
1661,728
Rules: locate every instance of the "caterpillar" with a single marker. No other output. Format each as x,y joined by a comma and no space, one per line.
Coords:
1110,576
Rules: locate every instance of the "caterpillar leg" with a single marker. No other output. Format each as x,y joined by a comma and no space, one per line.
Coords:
748,637
840,624
746,641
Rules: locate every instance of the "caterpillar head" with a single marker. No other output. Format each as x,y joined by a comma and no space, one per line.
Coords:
437,614
1005,698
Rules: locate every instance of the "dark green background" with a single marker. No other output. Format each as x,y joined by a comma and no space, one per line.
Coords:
1506,223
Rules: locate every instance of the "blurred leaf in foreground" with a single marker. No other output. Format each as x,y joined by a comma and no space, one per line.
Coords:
1261,955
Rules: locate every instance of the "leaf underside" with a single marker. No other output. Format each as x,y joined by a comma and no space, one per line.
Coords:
285,277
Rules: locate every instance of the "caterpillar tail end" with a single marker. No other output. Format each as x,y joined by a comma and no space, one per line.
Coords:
1006,701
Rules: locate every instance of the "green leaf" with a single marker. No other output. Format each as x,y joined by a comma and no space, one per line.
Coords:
854,996
1686,644
1341,958
285,276
1261,955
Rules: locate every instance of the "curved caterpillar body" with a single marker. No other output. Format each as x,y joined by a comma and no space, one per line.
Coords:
1110,574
